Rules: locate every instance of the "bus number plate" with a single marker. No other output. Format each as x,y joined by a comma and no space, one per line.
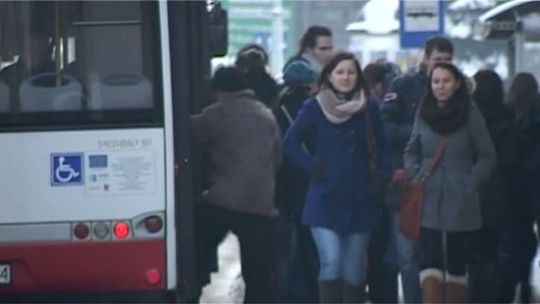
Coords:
5,274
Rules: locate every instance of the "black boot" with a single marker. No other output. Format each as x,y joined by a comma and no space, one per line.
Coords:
354,293
330,291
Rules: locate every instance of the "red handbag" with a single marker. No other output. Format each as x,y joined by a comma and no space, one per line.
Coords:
410,214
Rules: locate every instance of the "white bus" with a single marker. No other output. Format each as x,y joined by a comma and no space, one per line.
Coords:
94,107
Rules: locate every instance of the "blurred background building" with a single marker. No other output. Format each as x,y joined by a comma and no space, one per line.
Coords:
370,29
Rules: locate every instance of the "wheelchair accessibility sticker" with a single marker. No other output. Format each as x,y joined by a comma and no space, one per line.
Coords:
67,169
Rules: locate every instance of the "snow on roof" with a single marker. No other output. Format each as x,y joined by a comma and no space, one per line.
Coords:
501,9
459,5
379,17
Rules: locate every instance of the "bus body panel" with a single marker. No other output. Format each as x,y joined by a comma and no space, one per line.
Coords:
84,266
121,175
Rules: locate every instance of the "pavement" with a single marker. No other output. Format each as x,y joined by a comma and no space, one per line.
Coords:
227,286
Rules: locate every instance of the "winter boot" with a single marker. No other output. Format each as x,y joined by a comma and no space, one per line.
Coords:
330,291
354,293
432,286
456,292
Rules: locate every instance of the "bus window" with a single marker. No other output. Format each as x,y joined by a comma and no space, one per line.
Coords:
80,62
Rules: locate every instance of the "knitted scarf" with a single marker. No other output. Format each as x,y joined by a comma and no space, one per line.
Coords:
338,110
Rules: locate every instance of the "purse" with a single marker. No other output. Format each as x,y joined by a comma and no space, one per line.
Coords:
378,181
410,214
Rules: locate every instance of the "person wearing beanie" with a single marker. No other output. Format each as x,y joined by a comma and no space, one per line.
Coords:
297,265
299,73
244,145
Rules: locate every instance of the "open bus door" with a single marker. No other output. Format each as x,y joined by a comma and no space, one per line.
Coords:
192,63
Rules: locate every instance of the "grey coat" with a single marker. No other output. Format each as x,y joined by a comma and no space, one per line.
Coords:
451,201
245,150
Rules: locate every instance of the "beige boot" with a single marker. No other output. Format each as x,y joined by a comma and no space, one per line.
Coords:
456,289
432,286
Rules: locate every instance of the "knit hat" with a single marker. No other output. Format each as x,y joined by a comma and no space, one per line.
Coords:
228,79
299,73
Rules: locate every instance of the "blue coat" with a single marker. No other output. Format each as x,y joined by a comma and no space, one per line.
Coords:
342,200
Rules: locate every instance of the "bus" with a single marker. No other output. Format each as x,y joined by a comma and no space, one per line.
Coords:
95,190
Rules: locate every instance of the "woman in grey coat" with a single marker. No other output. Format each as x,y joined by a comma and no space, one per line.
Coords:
451,208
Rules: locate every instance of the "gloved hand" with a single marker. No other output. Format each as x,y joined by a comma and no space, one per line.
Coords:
400,176
319,170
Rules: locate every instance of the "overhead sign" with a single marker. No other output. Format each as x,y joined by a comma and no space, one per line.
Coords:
420,20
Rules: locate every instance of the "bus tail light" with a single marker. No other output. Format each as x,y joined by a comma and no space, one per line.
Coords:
101,230
81,231
121,230
153,276
153,224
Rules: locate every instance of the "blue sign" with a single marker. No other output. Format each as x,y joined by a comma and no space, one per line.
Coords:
420,20
67,169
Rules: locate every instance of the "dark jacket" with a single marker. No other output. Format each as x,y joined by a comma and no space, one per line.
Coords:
526,176
264,86
245,149
451,199
292,181
342,200
398,111
495,198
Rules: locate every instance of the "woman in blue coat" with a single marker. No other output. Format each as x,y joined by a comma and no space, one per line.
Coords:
341,207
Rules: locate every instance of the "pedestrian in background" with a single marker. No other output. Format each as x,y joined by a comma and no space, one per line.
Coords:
399,107
245,150
519,240
495,200
316,48
382,269
341,207
297,256
252,61
449,121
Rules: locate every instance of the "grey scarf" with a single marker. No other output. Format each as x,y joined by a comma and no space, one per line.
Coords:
338,110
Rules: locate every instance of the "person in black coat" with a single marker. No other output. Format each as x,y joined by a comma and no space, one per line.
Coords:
252,60
297,256
519,240
495,197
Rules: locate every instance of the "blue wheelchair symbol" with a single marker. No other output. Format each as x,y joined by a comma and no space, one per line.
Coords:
67,169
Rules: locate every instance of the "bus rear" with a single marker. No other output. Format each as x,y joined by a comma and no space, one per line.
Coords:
86,149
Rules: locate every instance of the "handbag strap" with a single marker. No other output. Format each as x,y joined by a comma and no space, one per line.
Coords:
437,159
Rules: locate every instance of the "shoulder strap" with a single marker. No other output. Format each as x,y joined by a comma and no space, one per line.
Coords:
291,120
287,114
437,159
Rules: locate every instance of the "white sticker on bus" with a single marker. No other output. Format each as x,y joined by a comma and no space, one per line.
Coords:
121,172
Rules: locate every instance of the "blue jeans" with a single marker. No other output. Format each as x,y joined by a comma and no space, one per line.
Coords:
408,261
341,256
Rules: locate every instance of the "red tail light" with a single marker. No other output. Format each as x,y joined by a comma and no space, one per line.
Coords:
152,276
81,231
153,224
121,230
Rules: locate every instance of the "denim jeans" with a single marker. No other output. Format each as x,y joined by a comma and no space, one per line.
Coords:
408,260
341,256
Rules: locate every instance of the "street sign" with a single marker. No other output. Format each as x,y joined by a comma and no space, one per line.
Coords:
420,20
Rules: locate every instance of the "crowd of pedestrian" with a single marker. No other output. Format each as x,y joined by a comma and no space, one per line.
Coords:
310,175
